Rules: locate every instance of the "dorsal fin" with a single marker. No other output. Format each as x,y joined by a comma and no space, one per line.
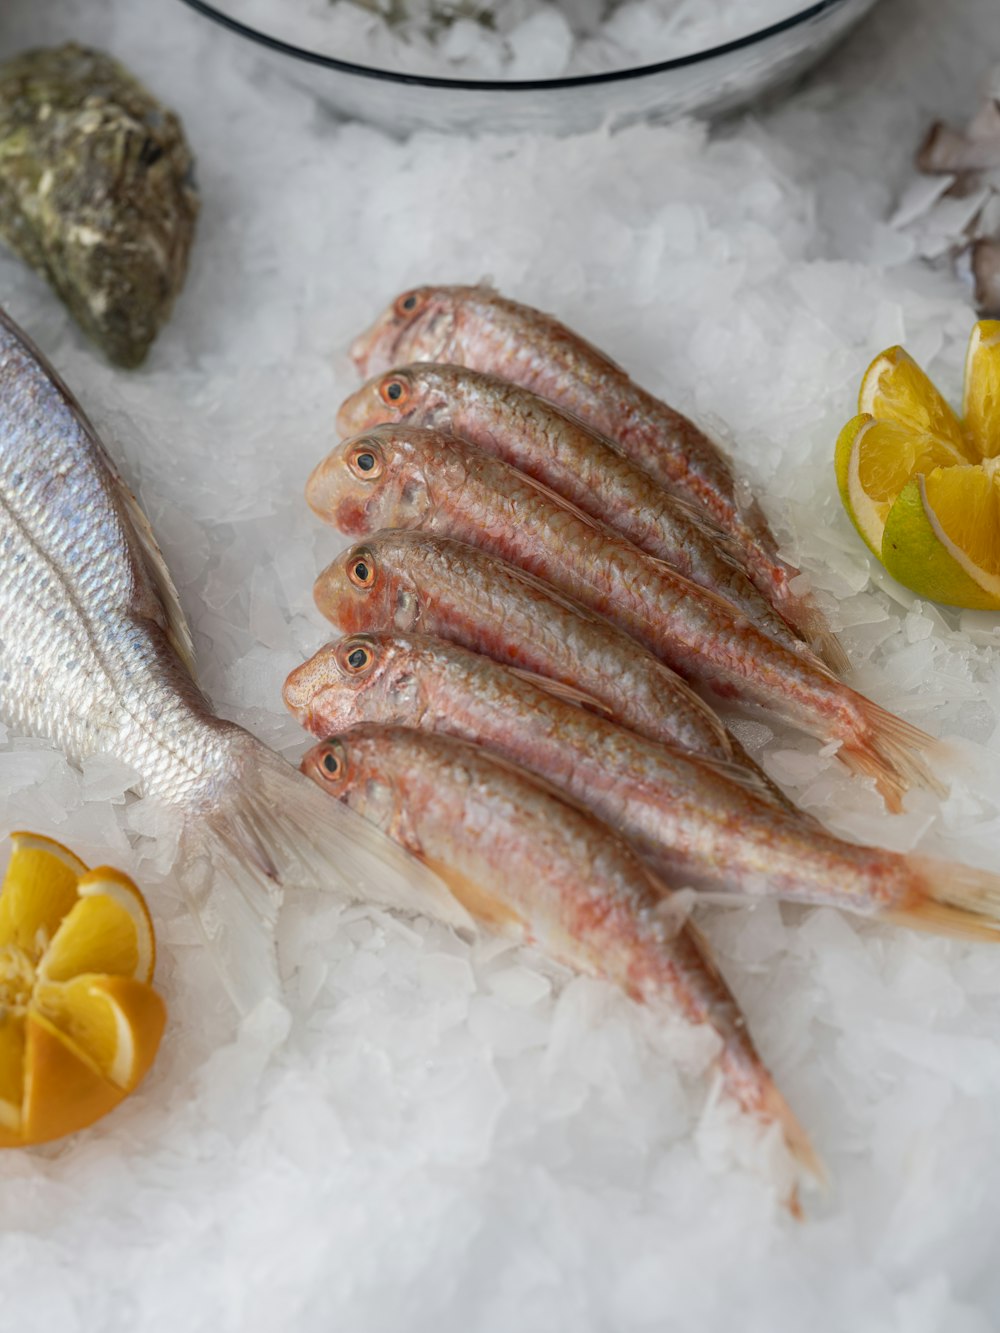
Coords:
561,690
569,504
178,630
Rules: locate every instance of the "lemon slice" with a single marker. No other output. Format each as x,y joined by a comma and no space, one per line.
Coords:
894,388
79,1023
942,537
874,460
981,395
12,1038
63,1090
923,488
116,1022
107,930
38,891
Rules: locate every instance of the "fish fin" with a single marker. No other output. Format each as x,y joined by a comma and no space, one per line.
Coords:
178,630
271,828
810,624
752,1084
574,509
724,542
745,773
561,690
831,651
889,750
949,899
483,904
773,1108
746,767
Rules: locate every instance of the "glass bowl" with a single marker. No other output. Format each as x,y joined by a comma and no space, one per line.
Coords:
706,83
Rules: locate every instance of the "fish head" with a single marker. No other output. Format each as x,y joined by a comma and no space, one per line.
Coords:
375,480
417,393
364,677
366,588
417,326
356,768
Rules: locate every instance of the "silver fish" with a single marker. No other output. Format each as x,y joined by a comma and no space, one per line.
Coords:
95,655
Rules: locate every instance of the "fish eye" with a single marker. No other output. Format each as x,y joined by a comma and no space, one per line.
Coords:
366,462
358,658
394,391
331,762
361,570
407,303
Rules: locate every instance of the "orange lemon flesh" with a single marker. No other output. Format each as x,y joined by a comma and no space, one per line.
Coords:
981,393
80,1024
921,486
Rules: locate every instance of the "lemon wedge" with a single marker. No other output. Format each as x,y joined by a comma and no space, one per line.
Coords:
80,1024
921,485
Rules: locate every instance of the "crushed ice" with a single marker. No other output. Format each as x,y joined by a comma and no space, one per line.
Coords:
436,1133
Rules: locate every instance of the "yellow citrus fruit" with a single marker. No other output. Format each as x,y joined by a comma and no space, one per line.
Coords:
894,388
981,395
919,484
79,1022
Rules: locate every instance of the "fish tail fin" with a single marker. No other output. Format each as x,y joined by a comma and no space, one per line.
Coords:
773,1109
269,828
949,899
744,1074
891,751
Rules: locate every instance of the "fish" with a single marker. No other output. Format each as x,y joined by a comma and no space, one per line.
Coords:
584,467
407,477
695,822
529,865
478,328
96,656
413,580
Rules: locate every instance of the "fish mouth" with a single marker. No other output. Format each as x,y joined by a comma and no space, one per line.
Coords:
359,412
324,489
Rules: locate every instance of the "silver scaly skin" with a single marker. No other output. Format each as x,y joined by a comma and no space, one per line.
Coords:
95,655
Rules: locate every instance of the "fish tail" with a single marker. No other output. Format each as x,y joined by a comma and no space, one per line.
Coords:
949,899
267,828
744,1074
893,752
772,1108
758,1094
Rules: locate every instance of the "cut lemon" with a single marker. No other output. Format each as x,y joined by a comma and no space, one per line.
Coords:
981,395
108,929
894,388
919,484
874,461
79,1024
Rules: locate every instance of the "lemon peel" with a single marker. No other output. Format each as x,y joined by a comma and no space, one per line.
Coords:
920,484
80,1024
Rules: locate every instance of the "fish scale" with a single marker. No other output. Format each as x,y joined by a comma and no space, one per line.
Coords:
460,592
694,822
478,328
583,466
529,863
418,478
95,656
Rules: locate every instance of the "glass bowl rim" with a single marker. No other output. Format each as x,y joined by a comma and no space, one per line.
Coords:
264,39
